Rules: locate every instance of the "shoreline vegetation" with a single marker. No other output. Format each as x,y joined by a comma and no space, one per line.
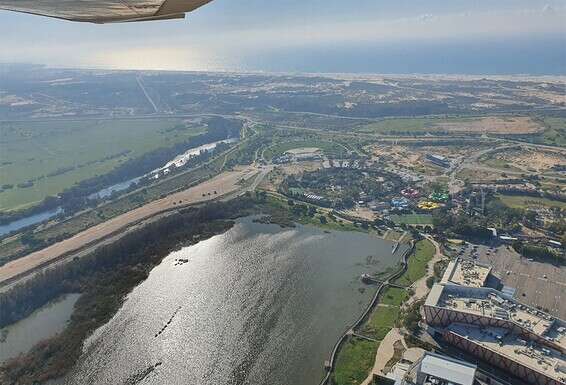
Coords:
106,276
356,356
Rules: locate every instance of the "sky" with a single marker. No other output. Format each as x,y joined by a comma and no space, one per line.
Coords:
368,36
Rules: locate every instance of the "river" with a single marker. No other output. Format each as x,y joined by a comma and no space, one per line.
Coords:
258,305
180,160
41,324
29,221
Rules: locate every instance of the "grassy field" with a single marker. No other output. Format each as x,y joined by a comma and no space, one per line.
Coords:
394,296
354,362
424,251
412,219
381,321
460,125
523,201
396,126
555,132
411,125
329,148
56,155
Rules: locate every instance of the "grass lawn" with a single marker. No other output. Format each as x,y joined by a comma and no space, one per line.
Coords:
354,361
424,251
523,201
57,154
394,296
381,321
412,219
329,148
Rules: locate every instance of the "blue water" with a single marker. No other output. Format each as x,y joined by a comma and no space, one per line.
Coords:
29,221
106,192
537,55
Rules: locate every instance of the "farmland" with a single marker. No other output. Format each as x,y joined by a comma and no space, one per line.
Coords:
44,158
461,125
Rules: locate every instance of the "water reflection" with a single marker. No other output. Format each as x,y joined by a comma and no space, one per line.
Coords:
44,323
256,305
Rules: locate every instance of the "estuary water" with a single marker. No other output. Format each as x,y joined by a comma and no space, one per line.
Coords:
41,324
258,305
29,221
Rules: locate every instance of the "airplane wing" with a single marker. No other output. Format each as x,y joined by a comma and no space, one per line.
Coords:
105,11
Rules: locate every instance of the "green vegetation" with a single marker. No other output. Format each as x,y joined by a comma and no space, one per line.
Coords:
329,148
340,187
555,131
412,219
418,260
355,361
540,253
288,212
523,201
410,126
44,158
381,321
394,296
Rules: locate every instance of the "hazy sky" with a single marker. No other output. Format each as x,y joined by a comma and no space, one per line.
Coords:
399,36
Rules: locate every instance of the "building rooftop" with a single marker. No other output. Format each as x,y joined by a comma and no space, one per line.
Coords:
544,360
467,273
448,369
494,304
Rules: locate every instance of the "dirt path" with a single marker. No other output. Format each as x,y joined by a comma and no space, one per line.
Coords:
420,288
384,353
222,184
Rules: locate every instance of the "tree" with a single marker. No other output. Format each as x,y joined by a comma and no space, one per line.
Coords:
322,219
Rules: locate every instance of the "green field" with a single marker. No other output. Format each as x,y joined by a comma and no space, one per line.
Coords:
424,251
394,296
354,361
56,155
409,125
523,201
329,148
555,132
412,219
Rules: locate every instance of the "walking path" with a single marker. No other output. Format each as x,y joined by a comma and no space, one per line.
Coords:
385,351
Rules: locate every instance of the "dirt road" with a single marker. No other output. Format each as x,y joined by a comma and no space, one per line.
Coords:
219,186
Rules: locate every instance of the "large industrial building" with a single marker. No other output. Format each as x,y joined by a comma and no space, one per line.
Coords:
495,328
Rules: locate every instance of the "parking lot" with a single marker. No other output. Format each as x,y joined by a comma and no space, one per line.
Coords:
538,284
